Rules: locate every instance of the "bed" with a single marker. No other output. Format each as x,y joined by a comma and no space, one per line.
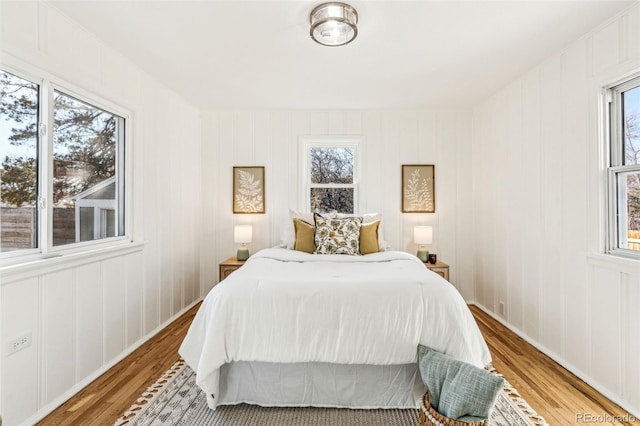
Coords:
296,329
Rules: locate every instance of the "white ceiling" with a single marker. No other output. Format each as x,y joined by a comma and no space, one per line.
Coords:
416,54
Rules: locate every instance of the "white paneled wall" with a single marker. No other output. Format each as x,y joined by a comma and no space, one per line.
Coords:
392,138
87,312
538,203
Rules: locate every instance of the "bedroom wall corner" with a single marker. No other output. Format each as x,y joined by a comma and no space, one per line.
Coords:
538,213
85,313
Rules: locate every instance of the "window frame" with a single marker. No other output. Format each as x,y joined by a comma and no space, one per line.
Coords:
614,135
30,252
356,143
49,83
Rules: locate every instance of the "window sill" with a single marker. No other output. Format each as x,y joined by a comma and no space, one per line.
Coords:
55,262
614,261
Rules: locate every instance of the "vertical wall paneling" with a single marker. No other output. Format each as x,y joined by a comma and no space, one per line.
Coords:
632,337
606,48
575,150
113,291
531,130
391,138
262,152
20,394
57,335
633,34
89,319
210,199
372,121
500,205
86,312
134,299
463,271
20,24
477,129
606,323
579,305
179,228
164,182
551,203
146,124
514,223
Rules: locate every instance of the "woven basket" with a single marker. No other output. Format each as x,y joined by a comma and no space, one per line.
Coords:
428,416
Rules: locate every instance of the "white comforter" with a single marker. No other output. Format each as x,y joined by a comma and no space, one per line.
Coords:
285,306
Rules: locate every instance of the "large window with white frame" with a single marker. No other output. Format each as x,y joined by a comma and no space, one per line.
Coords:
330,173
62,167
623,102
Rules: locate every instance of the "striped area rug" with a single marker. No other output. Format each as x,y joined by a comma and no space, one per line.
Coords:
176,400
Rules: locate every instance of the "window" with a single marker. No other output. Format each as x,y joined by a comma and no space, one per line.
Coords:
62,170
331,174
624,168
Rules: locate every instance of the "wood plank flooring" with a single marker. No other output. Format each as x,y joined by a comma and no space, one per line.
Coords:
552,391
555,393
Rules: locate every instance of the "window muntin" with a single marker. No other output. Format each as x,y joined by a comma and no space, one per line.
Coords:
624,168
331,178
19,112
76,184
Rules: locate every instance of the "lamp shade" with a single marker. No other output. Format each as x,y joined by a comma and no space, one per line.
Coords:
242,233
423,234
334,24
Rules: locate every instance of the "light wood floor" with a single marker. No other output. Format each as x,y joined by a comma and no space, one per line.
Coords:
552,391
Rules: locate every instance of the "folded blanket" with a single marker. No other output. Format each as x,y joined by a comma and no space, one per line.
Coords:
459,390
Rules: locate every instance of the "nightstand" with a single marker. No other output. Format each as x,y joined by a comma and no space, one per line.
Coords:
439,268
228,266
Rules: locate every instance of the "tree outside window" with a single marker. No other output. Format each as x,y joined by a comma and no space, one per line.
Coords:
331,174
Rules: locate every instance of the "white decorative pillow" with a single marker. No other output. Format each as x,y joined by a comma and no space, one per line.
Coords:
370,218
337,236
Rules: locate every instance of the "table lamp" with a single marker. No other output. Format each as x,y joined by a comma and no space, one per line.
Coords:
423,235
242,234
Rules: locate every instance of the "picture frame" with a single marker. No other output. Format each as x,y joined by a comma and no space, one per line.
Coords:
418,188
248,190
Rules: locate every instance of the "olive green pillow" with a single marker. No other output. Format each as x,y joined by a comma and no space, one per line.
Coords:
369,238
304,236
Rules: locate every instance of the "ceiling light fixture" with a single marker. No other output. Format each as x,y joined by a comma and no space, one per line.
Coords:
333,24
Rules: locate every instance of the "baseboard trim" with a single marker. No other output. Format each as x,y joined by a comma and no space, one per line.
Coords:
47,409
563,362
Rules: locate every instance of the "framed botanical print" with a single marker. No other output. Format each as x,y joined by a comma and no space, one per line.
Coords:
418,188
248,189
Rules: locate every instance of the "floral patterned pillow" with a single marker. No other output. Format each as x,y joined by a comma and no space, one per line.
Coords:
337,236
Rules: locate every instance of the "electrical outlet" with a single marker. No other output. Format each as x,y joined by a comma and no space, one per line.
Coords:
19,343
501,308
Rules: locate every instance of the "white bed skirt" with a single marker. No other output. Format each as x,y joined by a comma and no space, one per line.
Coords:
321,385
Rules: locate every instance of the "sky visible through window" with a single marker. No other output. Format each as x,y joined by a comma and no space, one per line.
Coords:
632,126
25,93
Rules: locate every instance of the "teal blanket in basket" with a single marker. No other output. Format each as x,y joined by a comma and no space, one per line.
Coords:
459,390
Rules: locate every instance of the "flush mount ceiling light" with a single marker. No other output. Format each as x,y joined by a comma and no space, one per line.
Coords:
334,24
